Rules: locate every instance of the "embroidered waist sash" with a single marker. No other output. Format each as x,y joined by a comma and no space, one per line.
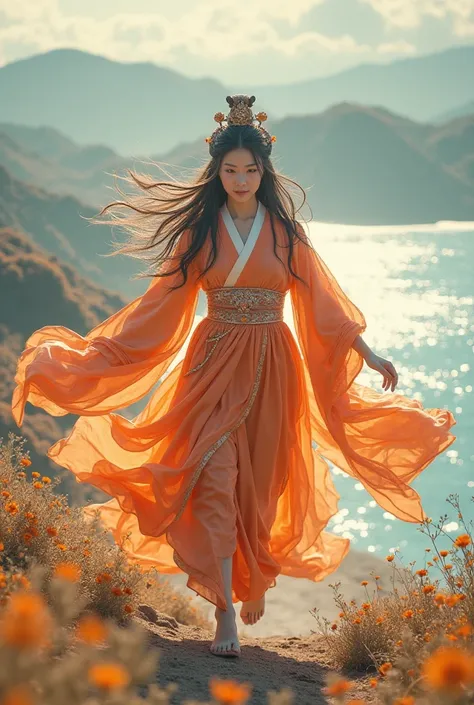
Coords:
246,305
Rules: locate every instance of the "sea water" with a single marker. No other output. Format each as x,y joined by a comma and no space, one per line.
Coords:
415,287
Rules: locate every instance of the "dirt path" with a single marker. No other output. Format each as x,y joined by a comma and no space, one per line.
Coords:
270,663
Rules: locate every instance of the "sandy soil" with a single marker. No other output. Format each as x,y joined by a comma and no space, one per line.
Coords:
268,664
283,650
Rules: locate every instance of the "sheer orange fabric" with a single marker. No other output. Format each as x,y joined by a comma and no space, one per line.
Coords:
220,461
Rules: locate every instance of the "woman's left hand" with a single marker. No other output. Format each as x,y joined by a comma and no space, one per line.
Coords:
386,369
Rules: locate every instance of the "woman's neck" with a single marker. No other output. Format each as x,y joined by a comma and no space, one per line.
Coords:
242,211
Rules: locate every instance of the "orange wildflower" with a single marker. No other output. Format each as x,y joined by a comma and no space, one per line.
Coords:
117,591
68,571
463,541
428,588
21,474
364,582
422,572
390,558
385,668
444,553
379,620
229,692
357,620
5,493
51,531
38,485
25,462
439,599
465,630
128,608
452,600
91,630
11,508
2,546
449,668
373,682
18,695
406,700
46,480
408,614
35,474
338,687
26,621
62,546
109,676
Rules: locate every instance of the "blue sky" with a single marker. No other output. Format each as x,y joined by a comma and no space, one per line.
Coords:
255,41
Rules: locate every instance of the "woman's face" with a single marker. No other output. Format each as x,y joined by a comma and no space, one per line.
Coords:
239,174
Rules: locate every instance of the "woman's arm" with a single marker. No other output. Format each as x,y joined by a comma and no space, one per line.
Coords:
375,362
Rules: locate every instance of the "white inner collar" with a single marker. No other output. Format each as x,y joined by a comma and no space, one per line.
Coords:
239,244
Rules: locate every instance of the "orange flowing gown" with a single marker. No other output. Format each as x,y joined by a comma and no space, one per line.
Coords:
220,461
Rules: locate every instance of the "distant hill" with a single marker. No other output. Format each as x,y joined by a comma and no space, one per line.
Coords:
37,290
368,166
417,87
460,111
141,108
56,223
45,157
360,165
136,108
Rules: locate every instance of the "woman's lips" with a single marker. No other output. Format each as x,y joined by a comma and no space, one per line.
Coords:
241,192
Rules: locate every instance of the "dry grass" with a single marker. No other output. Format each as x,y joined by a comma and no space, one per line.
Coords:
421,633
37,527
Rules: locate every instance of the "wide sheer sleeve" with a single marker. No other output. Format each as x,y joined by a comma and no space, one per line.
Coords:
327,323
384,440
118,361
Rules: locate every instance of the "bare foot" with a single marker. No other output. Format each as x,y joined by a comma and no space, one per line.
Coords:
226,641
253,610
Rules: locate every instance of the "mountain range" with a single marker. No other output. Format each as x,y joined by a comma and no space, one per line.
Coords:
36,289
142,108
359,165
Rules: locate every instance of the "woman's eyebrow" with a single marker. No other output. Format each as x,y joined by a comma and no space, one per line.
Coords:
229,164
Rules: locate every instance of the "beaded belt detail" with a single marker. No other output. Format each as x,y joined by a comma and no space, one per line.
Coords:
246,305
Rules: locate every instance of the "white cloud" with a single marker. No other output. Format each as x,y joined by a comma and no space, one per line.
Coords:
396,48
409,14
211,29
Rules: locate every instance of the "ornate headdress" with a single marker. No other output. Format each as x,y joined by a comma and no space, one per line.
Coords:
241,114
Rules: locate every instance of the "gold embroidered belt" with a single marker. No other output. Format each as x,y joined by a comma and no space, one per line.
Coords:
246,305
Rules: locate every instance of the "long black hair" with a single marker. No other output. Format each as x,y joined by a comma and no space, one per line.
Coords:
163,210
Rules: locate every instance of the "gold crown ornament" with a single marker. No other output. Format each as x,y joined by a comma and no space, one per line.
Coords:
240,113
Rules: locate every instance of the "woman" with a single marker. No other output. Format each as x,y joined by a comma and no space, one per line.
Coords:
217,476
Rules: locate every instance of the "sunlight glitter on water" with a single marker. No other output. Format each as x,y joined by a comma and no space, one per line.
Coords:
415,287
